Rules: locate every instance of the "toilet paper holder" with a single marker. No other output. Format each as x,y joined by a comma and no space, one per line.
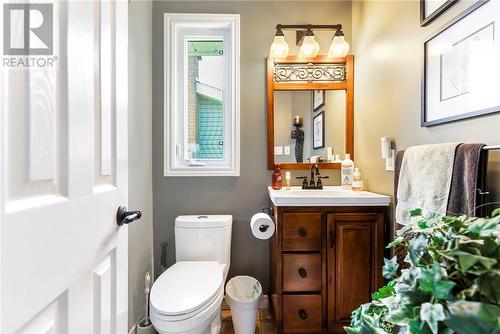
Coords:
269,212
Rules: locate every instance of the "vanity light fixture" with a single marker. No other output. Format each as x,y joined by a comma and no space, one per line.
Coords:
309,47
279,48
339,46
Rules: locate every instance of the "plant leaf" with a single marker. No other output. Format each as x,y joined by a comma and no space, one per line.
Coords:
467,260
431,280
416,213
432,314
384,292
471,317
416,249
489,287
390,268
496,212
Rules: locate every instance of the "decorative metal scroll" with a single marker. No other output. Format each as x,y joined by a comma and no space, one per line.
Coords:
300,72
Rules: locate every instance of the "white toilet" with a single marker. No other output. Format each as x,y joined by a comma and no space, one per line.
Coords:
187,297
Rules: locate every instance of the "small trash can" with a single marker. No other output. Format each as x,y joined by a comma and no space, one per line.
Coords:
243,294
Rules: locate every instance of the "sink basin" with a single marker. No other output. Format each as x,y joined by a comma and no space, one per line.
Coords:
328,196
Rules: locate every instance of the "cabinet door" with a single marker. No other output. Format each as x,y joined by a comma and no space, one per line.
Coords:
355,255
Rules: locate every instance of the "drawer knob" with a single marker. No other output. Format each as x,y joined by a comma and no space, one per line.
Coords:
302,272
302,232
302,314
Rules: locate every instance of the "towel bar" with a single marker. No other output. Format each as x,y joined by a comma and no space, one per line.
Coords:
491,147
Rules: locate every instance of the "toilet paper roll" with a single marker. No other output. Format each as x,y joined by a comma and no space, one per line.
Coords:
262,226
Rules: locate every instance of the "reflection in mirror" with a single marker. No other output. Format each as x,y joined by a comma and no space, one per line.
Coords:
205,106
309,126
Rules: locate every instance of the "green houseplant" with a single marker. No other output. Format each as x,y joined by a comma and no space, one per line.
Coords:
451,285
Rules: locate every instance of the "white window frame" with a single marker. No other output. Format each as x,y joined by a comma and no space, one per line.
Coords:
178,29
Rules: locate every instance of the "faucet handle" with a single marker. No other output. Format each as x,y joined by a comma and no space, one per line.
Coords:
319,183
304,182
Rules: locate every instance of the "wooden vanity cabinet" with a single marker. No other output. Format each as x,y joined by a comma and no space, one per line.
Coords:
325,262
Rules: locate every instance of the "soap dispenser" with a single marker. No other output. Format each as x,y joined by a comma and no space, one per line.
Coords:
347,171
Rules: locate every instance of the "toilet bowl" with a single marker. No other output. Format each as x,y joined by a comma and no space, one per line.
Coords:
187,297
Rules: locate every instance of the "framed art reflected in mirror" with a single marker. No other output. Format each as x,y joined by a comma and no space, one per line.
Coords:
319,130
318,99
461,72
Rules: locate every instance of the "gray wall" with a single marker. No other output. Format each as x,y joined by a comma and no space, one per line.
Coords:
140,233
244,195
388,47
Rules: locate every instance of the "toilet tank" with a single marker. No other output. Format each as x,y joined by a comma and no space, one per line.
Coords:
204,238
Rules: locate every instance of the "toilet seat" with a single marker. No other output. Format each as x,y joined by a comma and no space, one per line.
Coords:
187,294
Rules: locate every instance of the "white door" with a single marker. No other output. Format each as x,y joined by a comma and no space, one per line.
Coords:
64,173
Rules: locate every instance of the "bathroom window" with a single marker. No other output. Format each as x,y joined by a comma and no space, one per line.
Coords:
201,95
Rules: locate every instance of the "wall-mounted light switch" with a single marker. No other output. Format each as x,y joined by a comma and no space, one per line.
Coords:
287,150
278,150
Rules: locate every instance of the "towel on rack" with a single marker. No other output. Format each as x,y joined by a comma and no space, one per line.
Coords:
425,180
469,174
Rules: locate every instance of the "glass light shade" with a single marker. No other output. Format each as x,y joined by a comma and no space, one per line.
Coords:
339,47
309,47
279,48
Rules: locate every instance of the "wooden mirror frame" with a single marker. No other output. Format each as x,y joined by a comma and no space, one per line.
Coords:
347,84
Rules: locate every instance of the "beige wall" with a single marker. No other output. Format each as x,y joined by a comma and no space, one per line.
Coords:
140,233
387,44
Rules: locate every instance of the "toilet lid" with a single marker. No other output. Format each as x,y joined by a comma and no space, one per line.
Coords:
186,287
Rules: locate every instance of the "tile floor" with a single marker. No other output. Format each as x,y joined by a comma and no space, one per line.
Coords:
265,323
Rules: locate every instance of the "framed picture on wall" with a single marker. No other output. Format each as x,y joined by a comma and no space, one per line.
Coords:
461,70
431,9
319,130
318,99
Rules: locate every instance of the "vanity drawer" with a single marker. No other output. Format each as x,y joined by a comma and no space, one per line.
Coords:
302,314
302,231
301,272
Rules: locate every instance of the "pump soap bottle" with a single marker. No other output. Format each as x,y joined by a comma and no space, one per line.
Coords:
347,171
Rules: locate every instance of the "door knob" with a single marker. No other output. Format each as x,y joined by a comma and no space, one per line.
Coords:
124,217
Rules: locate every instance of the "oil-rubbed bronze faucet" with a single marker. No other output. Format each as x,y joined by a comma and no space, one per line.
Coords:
312,184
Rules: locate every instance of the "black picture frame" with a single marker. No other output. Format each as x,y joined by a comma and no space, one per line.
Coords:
424,21
321,116
476,113
315,106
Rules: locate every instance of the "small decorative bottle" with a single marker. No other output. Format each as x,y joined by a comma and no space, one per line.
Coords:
277,180
346,171
357,182
288,178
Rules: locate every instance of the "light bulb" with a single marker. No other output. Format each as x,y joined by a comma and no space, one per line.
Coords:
279,48
309,47
339,46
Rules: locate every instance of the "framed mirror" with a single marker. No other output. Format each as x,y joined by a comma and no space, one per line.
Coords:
310,111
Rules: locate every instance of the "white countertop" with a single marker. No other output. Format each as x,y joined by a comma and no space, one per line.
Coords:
328,196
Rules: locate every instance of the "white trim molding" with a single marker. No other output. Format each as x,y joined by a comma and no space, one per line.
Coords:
178,29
